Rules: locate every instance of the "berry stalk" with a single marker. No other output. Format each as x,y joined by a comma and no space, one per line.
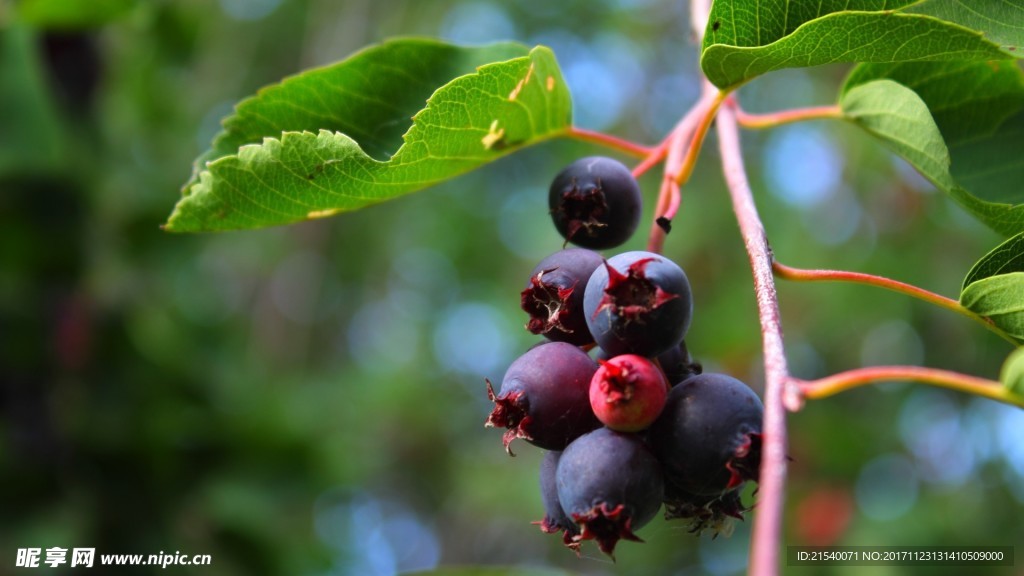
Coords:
767,526
831,385
657,155
702,113
803,275
614,142
685,168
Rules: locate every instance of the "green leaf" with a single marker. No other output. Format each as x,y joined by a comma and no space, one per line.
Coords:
978,108
900,118
338,138
994,287
1006,258
1001,21
1012,374
71,14
999,298
747,38
968,100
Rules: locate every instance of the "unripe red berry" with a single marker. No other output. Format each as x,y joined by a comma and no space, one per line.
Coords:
628,392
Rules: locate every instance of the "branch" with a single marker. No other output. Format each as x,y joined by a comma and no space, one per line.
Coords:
831,385
802,275
767,528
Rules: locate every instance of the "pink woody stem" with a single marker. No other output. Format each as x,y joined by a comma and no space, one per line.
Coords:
767,527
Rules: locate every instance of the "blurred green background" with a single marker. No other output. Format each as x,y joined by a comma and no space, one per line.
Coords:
309,400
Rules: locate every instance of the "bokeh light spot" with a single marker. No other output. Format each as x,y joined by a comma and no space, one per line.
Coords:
804,166
887,487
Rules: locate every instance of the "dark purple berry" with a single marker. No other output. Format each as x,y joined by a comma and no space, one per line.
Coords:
611,485
554,295
544,397
708,437
677,364
555,519
638,303
595,203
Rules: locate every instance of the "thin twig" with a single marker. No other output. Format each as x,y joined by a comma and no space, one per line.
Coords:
773,119
831,385
802,275
685,169
652,159
620,144
675,146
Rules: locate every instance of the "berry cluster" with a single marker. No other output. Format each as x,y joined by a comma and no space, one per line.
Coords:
641,425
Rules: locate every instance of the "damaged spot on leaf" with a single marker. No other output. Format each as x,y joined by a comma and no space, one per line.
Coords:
493,137
322,213
519,87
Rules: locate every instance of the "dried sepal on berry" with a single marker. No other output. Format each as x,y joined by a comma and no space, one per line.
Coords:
544,397
595,202
638,303
611,485
553,296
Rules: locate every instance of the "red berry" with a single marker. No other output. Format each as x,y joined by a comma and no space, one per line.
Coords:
628,392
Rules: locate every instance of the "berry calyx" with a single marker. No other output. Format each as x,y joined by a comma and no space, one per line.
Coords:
544,397
595,202
638,303
553,296
628,392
